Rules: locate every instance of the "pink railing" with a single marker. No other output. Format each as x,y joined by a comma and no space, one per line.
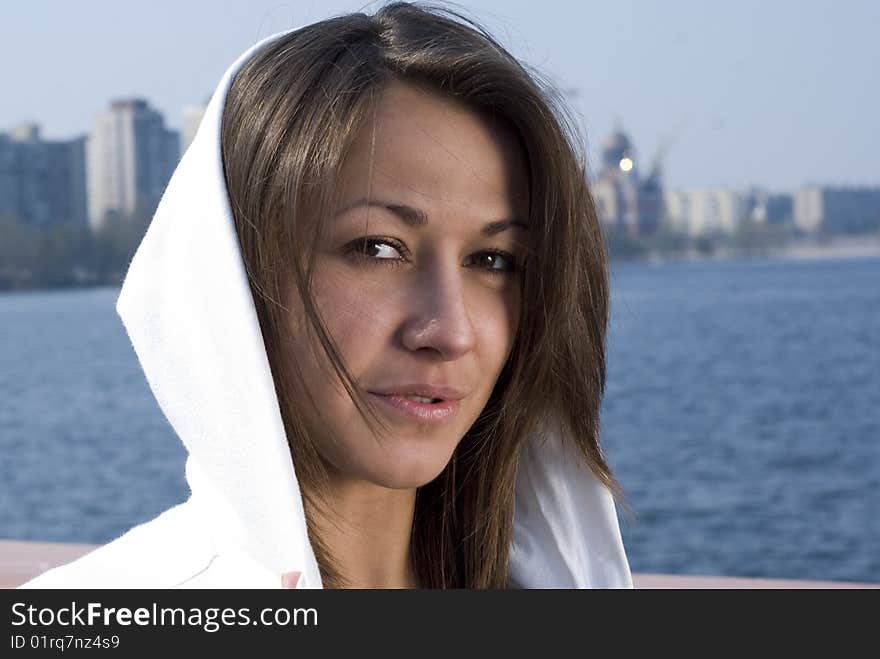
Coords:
20,561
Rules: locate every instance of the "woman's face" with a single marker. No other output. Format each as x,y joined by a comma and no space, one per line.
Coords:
417,281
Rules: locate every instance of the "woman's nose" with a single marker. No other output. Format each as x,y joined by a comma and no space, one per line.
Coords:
440,320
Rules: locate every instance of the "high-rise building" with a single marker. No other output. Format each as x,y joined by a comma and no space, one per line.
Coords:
130,157
706,212
772,208
716,211
42,182
192,117
627,201
837,209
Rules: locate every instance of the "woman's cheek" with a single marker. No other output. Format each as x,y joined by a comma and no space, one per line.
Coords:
357,308
497,314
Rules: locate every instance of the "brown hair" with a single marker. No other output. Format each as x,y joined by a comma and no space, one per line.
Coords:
291,115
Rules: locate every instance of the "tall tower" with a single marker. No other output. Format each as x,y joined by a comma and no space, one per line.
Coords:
130,157
626,200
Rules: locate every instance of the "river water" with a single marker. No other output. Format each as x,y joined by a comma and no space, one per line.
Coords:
742,418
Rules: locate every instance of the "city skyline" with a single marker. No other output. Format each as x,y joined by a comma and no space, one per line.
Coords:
753,95
120,169
191,116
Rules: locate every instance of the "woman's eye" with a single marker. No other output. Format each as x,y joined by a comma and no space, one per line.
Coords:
377,248
390,252
496,263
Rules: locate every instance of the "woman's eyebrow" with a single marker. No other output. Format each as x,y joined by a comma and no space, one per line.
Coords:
416,217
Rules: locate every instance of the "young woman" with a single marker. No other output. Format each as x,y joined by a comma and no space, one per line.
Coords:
373,303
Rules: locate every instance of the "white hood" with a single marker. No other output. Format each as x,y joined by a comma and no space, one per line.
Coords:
188,309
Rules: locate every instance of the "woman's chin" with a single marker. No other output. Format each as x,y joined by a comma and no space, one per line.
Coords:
399,462
405,471
404,476
409,481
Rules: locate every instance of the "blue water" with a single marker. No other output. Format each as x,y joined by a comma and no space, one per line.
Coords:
742,418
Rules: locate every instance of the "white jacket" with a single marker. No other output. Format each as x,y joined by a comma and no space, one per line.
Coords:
190,315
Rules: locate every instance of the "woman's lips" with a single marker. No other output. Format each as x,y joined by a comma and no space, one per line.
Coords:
427,413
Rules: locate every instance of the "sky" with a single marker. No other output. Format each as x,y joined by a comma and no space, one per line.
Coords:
769,93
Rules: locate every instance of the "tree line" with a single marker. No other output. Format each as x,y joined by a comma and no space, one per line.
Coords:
749,239
65,255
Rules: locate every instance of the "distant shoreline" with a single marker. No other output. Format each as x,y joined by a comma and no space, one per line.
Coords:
848,249
856,247
861,247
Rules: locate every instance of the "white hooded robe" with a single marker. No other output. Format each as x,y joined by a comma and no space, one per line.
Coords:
189,312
